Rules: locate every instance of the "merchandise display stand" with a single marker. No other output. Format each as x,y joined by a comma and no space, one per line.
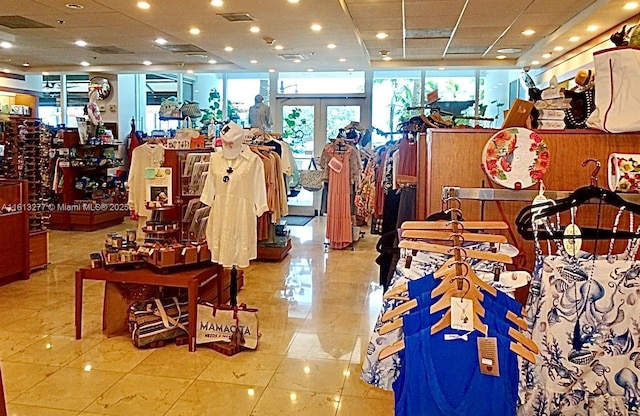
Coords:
14,222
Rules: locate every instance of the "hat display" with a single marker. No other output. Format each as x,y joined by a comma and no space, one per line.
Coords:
232,140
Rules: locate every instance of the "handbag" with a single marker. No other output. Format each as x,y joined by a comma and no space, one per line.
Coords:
226,324
157,319
311,179
624,173
190,109
617,96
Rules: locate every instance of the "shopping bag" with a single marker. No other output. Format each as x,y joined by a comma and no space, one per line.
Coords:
190,109
617,95
221,323
311,178
156,319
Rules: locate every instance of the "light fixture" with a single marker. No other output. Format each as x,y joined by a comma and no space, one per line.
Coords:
294,1
217,3
331,46
45,73
253,61
501,57
630,6
297,61
80,43
293,397
228,48
74,6
558,48
441,68
350,69
143,5
254,29
509,50
309,69
26,64
161,41
84,63
382,35
272,70
147,63
546,55
6,71
278,47
194,31
213,61
189,71
342,59
528,32
592,28
535,62
387,58
574,38
5,45
316,27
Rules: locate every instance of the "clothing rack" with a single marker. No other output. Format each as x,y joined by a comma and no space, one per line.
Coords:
491,194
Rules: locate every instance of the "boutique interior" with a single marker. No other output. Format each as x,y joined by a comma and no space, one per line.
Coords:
395,207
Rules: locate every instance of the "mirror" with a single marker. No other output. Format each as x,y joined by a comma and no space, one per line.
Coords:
105,87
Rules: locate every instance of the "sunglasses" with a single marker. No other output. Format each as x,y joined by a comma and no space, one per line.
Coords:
226,177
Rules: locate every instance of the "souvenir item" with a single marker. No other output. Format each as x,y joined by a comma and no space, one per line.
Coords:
624,172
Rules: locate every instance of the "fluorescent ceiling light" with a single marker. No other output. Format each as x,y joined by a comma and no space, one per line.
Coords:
342,59
546,55
272,70
26,64
387,58
316,27
501,57
382,35
535,62
189,71
194,31
310,70
254,29
161,41
528,32
297,61
84,63
350,69
144,5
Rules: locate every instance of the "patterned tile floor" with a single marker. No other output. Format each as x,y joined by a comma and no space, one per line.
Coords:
316,312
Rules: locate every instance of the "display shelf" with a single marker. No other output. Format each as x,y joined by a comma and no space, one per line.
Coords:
14,246
160,232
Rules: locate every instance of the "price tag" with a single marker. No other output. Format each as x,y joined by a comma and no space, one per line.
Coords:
542,201
184,251
462,314
488,356
572,241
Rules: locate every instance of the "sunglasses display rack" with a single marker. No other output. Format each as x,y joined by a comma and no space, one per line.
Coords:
27,143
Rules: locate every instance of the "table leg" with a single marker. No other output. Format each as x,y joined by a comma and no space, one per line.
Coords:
3,403
193,313
79,295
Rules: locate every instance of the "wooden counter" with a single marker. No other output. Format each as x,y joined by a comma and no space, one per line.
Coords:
453,157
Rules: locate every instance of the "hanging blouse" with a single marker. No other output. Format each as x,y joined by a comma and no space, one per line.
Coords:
142,157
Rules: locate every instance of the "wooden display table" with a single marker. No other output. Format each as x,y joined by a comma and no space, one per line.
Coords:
197,282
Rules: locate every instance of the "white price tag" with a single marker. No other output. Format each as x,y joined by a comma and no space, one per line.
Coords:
572,241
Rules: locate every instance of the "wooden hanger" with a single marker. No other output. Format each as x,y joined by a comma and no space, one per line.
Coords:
443,235
437,248
446,225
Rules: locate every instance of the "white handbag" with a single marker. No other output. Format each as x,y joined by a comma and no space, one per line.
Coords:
617,95
624,172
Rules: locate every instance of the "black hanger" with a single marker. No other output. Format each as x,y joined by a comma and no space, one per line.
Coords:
578,197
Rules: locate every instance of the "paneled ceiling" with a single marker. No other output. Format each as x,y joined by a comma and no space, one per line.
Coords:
421,33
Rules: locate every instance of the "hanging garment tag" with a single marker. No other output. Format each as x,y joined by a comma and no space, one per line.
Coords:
539,202
407,262
572,241
462,314
488,356
455,337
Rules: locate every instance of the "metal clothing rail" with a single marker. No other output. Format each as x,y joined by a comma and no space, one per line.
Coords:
491,194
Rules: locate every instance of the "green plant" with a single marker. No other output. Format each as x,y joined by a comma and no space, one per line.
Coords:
214,111
295,128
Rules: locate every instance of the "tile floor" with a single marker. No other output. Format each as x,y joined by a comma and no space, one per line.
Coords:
316,312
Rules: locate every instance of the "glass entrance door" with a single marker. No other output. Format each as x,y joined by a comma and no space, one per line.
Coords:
307,125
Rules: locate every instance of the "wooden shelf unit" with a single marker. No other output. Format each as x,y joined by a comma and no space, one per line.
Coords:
14,246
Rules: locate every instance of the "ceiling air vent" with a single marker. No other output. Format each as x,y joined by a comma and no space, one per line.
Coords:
181,48
19,22
237,17
427,33
292,56
108,50
466,50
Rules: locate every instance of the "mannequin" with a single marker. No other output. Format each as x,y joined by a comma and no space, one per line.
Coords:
93,111
260,115
236,192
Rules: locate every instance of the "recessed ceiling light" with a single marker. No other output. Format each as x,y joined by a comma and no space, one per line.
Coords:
272,70
228,48
630,6
84,63
74,6
213,61
535,62
278,47
528,32
5,45
297,61
441,68
558,48
350,69
546,55
6,71
509,50
189,71
592,28
382,35
294,1
217,3
501,57
331,46
316,27
387,58
143,5
147,63
80,43
45,73
310,70
253,61
161,41
26,64
254,29
574,38
194,31
342,59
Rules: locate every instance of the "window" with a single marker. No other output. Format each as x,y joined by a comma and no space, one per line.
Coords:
241,92
321,82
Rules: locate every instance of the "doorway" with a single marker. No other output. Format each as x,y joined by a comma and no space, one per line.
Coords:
307,124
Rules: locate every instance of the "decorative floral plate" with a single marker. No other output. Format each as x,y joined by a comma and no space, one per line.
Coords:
516,158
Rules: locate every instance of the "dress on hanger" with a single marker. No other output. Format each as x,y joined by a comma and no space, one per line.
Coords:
236,192
142,157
